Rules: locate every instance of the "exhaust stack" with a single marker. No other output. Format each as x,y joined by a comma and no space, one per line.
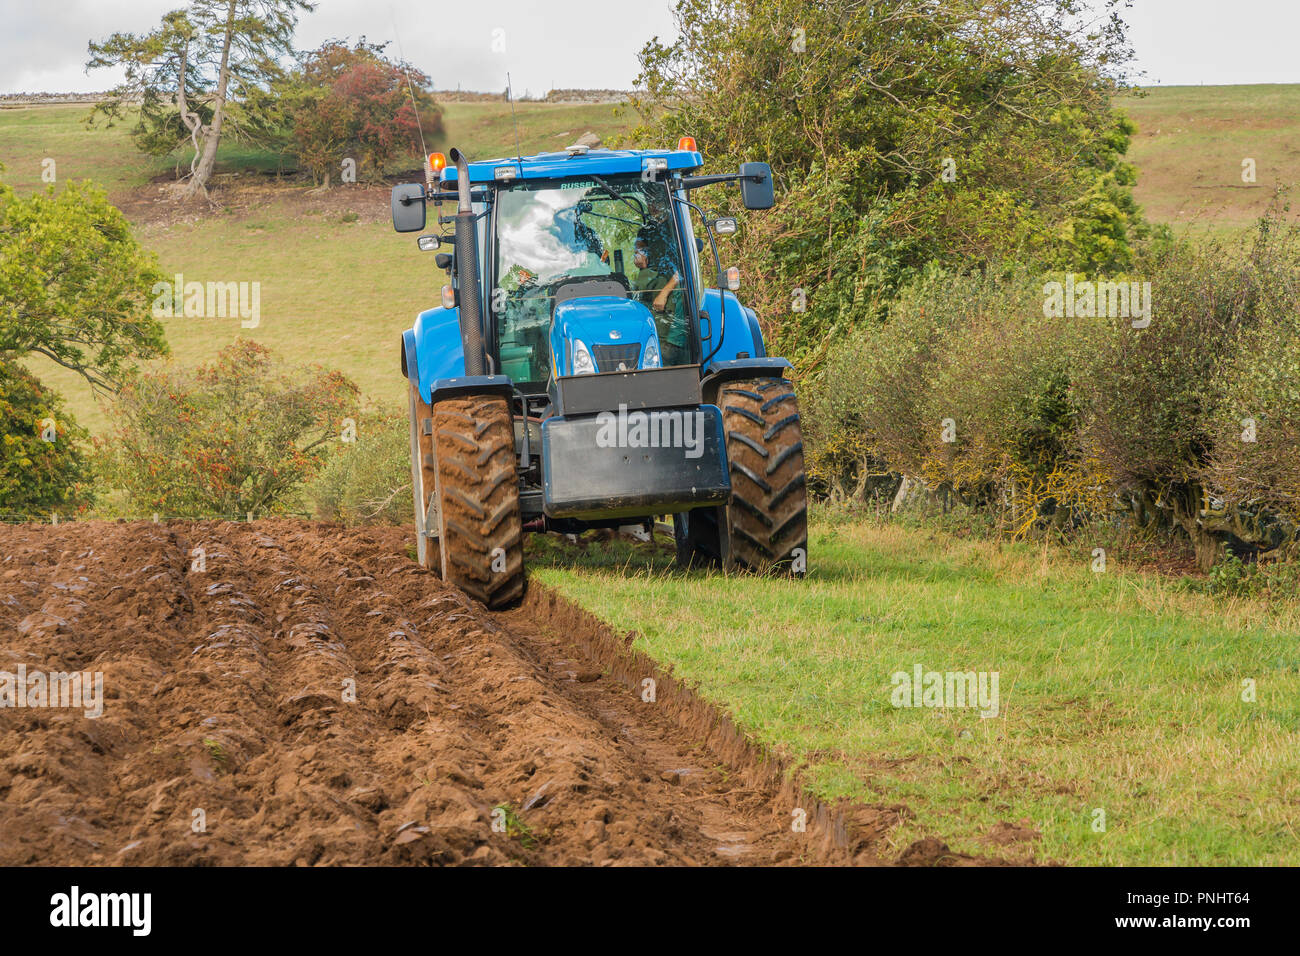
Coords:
467,265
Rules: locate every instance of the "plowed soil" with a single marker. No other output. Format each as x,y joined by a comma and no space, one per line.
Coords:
312,696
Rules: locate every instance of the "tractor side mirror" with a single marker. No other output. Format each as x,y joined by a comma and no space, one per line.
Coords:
756,195
408,207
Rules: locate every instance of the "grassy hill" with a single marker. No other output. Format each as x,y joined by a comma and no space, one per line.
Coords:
29,134
338,285
1190,144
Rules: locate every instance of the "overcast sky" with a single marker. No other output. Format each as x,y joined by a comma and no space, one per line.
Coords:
577,43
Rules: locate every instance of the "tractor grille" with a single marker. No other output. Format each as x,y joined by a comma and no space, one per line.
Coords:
609,357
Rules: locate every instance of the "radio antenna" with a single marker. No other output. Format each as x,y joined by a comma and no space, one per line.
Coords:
406,73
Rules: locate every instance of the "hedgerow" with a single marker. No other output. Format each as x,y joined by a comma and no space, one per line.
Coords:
1188,419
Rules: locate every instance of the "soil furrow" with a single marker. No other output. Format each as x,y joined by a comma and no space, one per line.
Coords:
297,693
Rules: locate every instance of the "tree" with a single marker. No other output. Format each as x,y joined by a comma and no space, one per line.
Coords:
42,468
354,101
238,435
901,132
190,75
75,286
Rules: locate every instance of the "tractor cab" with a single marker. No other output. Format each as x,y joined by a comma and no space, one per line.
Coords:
576,326
587,277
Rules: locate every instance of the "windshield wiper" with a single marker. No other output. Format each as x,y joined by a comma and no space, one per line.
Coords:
601,215
619,196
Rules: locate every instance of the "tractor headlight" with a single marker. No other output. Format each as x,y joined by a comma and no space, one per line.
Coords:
651,359
582,363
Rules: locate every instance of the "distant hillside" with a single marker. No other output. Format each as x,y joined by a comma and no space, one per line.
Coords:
483,127
554,96
337,284
8,100
1190,145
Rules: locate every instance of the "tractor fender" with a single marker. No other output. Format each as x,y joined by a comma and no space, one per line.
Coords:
470,385
433,350
433,360
719,373
742,338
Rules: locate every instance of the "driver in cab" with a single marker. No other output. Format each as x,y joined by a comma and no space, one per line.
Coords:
656,278
653,256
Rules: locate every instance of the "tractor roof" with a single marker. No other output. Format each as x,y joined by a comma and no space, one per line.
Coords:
602,162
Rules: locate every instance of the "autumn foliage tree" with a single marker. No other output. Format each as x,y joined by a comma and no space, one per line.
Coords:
354,102
240,434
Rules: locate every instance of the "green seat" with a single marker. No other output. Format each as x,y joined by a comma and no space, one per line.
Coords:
517,362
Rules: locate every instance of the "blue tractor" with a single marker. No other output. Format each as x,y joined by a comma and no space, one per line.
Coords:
579,374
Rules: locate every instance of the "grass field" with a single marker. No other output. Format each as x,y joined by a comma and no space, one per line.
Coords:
1190,145
332,291
29,135
1118,692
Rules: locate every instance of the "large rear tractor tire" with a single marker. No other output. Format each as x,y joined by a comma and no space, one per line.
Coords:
767,519
479,530
765,526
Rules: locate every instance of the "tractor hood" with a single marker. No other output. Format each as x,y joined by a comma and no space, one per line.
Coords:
618,334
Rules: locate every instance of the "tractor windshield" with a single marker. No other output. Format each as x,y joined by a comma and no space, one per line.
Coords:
551,232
